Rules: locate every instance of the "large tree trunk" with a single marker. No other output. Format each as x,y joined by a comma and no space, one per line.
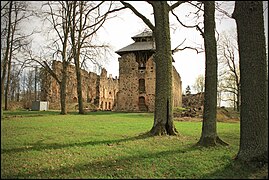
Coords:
7,88
209,135
63,87
79,87
5,60
254,82
76,43
163,115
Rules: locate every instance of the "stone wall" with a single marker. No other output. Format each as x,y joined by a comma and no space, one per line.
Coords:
108,88
193,100
127,97
131,97
93,87
134,91
177,88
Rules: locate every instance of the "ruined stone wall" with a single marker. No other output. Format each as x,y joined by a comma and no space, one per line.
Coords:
45,84
177,88
127,97
193,100
108,89
130,97
91,85
88,81
107,93
150,78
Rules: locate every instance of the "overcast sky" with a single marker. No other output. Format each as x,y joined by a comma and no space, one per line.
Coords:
118,32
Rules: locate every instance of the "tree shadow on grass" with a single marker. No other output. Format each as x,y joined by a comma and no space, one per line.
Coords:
39,146
239,170
115,167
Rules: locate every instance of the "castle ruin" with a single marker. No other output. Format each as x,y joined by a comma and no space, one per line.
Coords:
133,91
137,76
99,90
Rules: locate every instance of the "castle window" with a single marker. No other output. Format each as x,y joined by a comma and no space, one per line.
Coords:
142,65
142,87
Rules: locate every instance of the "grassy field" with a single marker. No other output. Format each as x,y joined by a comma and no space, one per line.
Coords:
113,145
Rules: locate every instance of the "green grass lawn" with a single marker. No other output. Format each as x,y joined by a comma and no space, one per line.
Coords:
113,145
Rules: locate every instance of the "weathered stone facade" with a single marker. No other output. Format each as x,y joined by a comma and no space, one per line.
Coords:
134,91
108,88
137,86
98,90
137,76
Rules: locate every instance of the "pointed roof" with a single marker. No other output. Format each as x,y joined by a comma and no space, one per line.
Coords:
139,45
145,33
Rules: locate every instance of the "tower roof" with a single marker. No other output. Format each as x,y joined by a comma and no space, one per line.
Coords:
145,33
140,44
148,44
137,46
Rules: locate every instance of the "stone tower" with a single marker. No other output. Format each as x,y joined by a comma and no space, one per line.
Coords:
137,76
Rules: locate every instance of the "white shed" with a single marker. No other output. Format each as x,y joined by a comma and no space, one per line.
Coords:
40,105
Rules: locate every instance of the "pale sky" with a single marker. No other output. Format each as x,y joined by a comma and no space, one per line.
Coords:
189,64
118,32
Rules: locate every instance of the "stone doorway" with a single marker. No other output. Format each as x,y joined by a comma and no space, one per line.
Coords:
142,104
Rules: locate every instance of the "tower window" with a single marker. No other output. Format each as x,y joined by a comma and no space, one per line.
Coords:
142,87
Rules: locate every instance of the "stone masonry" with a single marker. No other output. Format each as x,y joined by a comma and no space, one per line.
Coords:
99,90
137,76
134,91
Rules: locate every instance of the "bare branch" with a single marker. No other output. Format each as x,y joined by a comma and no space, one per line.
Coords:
187,26
176,5
146,20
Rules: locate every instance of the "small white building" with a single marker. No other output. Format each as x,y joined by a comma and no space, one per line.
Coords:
40,105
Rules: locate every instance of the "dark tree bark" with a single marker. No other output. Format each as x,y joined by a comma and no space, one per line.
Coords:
66,59
63,87
7,89
76,47
163,113
5,60
66,56
209,135
254,81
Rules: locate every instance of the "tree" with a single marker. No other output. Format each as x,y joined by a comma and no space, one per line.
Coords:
61,23
199,84
4,62
188,90
87,19
163,115
14,13
254,81
229,77
209,135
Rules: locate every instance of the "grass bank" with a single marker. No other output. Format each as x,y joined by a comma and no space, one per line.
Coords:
112,145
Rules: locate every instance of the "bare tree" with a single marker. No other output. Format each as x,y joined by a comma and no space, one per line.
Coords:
61,23
4,62
16,39
87,19
229,71
199,85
